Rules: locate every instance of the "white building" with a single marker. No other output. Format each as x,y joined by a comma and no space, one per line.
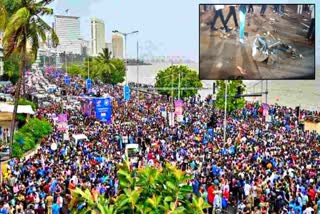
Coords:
97,36
117,45
68,30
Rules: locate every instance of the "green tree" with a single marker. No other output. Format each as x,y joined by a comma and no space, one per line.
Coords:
233,102
11,68
169,78
104,65
147,190
25,25
119,72
74,69
29,135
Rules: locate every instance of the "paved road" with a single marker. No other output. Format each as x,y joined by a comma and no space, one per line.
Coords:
220,56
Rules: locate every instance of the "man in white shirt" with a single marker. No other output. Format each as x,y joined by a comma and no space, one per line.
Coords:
247,189
309,210
218,13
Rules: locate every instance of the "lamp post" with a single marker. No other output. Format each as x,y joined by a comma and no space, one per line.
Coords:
225,111
125,44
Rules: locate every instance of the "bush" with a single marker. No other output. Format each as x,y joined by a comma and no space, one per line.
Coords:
29,135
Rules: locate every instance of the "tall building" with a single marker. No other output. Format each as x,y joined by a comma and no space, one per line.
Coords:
97,36
68,30
117,45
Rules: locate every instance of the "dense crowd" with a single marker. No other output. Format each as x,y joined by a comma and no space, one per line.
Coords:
264,167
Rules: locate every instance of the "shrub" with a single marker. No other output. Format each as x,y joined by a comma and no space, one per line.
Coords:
29,135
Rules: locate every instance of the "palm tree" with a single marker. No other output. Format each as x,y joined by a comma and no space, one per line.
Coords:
104,56
105,65
3,16
26,26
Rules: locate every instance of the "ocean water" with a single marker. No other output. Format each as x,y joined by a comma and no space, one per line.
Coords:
305,93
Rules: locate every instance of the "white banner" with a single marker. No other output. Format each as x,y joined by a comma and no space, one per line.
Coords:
171,119
164,114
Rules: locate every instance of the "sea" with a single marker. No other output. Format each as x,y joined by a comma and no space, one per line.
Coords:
291,93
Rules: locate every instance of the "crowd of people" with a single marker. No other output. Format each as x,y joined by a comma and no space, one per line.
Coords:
264,167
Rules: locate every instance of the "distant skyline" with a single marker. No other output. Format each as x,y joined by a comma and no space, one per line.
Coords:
166,28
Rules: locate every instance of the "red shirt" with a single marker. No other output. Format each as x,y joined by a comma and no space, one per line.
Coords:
312,194
210,194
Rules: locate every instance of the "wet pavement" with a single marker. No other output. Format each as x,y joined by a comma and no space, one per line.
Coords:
223,57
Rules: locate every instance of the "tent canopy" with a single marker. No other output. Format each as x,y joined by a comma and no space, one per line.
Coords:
22,109
78,137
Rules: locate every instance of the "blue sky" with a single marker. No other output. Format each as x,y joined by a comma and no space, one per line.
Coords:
166,27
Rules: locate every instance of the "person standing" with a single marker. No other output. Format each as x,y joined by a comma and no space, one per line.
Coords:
218,13
49,202
263,9
232,12
243,11
250,9
299,9
311,31
281,10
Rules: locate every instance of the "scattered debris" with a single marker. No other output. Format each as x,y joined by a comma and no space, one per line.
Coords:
266,50
219,65
242,70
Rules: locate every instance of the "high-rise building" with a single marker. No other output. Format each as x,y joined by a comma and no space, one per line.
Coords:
97,36
117,45
68,31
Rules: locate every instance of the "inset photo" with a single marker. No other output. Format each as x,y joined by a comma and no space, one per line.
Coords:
257,42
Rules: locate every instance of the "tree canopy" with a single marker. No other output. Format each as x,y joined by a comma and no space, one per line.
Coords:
144,190
108,70
169,78
233,102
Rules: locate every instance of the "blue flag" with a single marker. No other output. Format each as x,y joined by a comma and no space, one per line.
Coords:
126,92
88,84
67,80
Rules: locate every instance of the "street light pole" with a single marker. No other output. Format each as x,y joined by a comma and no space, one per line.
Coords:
138,69
125,56
225,111
88,67
65,61
125,51
179,86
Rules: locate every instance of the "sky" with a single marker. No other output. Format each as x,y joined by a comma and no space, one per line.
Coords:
166,27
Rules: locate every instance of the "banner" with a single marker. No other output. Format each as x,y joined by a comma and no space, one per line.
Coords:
126,92
103,109
178,107
88,84
171,119
62,118
67,80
